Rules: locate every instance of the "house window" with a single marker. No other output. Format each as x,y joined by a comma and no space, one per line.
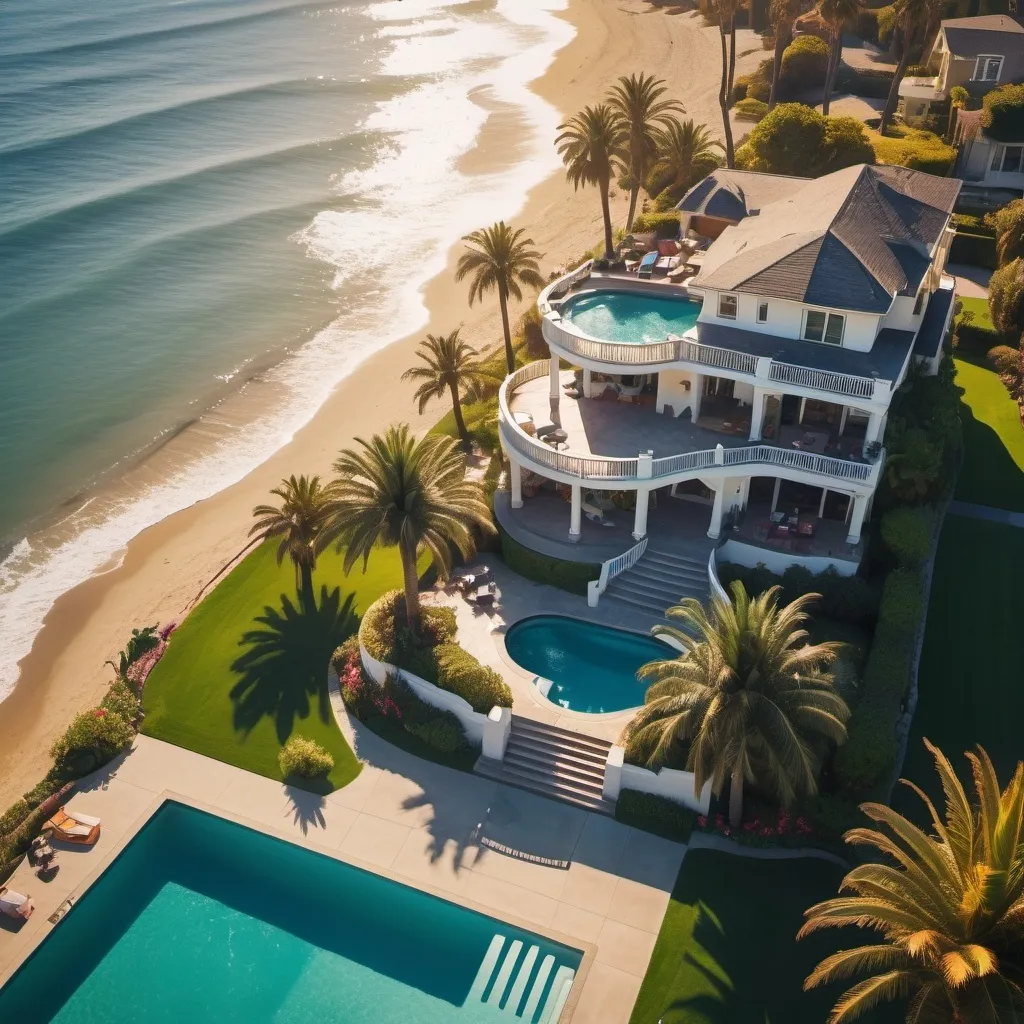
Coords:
762,312
987,68
1007,159
824,327
727,306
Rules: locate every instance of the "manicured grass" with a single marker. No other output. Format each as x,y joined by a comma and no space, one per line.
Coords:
993,467
248,666
727,951
979,307
971,667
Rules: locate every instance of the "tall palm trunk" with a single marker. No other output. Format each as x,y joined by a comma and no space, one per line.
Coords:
510,356
732,55
894,90
411,583
781,42
460,423
736,797
723,99
634,193
606,212
834,54
306,596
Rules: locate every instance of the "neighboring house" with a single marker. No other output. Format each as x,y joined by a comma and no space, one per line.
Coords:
817,296
986,164
977,53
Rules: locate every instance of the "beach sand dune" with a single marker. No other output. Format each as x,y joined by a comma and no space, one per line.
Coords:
167,565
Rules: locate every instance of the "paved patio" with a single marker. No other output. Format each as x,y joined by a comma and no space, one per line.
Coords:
418,823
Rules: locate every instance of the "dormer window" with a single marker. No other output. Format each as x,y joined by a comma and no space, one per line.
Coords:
987,68
823,327
727,306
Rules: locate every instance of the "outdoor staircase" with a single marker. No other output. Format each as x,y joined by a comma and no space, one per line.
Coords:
658,581
554,762
516,980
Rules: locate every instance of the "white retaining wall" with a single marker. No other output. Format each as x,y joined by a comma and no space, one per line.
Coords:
780,561
668,782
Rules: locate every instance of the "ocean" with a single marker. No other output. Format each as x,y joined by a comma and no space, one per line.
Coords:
198,195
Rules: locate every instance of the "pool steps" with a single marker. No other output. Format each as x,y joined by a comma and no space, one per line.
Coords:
659,580
523,970
553,762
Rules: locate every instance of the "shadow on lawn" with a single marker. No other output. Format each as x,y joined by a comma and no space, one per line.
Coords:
283,669
989,475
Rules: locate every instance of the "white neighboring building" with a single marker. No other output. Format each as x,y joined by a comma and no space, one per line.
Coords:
765,416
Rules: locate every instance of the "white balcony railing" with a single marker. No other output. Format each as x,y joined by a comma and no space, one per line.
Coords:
562,284
614,567
603,470
822,380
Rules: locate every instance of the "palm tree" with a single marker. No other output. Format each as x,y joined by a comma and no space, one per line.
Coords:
783,14
500,258
747,697
298,521
838,15
727,30
449,365
594,146
683,147
637,100
912,18
949,905
396,491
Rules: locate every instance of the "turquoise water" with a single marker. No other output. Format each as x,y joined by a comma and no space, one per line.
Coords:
591,668
202,920
630,317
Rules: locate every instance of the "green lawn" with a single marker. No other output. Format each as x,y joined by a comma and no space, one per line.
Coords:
971,667
979,307
727,951
248,667
993,468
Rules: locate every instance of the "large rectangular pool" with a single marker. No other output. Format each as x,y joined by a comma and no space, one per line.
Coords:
200,919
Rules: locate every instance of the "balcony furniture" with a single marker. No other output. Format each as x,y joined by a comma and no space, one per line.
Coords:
807,527
556,438
525,421
74,828
647,264
15,904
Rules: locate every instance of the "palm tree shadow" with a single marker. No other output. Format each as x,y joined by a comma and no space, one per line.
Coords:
283,671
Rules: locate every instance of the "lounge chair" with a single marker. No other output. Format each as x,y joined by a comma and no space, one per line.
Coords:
647,264
15,904
74,827
595,514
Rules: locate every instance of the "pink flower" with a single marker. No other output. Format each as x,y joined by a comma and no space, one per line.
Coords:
727,832
701,821
766,831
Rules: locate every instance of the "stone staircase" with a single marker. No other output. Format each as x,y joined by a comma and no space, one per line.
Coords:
554,762
658,581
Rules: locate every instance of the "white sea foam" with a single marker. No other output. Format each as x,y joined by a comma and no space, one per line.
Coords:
414,204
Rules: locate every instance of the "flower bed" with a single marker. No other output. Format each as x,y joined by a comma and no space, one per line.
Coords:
769,828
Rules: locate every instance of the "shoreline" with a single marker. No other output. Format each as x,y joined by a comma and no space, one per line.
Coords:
165,565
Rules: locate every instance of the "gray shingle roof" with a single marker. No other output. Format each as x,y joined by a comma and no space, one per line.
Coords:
991,33
732,195
850,240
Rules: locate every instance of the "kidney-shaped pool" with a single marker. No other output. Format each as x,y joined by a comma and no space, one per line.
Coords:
590,668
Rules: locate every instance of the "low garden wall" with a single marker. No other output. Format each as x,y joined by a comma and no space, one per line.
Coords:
668,783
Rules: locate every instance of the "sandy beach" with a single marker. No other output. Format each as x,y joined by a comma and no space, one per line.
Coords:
167,565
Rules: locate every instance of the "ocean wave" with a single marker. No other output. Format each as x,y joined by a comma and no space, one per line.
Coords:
429,128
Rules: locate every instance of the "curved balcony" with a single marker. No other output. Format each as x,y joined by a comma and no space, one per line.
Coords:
617,428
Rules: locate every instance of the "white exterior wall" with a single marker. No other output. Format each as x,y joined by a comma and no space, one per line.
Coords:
672,391
976,166
779,561
785,319
901,314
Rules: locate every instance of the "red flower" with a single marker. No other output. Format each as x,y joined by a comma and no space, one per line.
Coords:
701,821
100,712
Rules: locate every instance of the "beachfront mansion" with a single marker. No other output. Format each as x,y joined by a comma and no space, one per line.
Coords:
731,391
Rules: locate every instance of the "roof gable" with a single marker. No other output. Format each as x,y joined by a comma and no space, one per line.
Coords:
989,34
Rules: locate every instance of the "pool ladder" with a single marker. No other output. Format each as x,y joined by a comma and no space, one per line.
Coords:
503,965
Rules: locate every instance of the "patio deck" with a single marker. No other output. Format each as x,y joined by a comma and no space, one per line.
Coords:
829,540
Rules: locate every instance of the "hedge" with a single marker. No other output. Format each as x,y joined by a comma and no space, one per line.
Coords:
975,339
907,532
974,250
556,572
664,224
973,224
93,738
750,109
655,814
459,672
304,758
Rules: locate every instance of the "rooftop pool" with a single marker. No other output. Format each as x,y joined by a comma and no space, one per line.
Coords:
590,668
203,920
633,318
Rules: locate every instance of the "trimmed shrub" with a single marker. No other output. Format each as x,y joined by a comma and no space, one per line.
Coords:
654,814
1004,359
972,338
750,109
832,816
974,250
664,225
1002,114
93,738
443,734
803,64
556,572
913,147
459,672
907,532
440,730
1006,298
973,224
305,759
122,700
14,816
902,601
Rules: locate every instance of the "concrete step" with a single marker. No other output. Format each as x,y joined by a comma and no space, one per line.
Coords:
656,609
667,573
530,759
543,730
582,757
675,558
552,786
667,593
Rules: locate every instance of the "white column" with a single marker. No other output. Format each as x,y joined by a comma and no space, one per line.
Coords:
716,512
775,495
876,424
577,509
803,405
587,383
515,476
821,507
842,419
640,519
860,507
757,414
554,391
696,393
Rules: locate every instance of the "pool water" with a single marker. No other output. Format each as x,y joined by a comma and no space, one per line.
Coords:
203,920
630,317
590,668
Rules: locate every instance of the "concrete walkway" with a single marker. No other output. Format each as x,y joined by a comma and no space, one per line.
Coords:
416,822
971,282
994,515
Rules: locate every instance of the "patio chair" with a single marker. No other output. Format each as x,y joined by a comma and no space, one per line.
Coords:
15,904
595,514
74,828
807,527
647,264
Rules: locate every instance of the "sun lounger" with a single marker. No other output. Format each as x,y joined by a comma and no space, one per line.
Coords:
595,514
74,827
647,264
15,904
